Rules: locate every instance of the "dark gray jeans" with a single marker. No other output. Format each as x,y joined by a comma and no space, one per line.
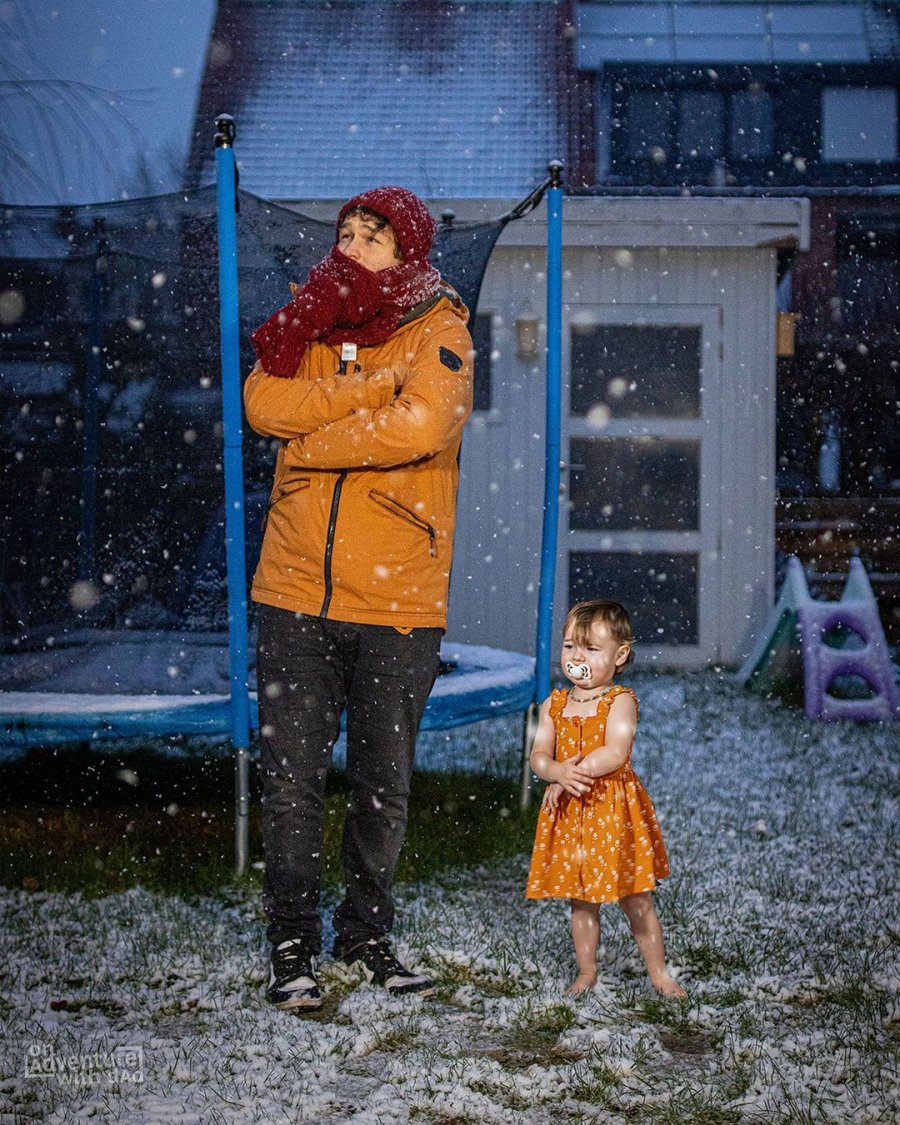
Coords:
309,671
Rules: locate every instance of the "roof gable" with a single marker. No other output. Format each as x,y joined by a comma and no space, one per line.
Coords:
332,97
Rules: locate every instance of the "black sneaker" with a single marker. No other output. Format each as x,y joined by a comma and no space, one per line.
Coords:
381,966
292,982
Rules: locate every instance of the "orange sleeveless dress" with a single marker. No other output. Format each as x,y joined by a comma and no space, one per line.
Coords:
606,844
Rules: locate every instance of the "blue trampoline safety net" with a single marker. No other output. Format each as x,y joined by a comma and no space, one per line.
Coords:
112,571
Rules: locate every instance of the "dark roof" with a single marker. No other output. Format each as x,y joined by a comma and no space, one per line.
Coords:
333,96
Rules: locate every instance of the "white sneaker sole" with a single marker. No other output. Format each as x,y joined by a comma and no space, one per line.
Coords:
306,1002
403,986
298,997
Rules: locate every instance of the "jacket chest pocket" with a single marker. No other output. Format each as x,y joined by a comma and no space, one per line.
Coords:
408,516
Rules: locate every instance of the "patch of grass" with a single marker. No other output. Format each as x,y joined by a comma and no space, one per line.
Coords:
709,960
691,1110
398,1036
417,1113
512,1102
672,1014
537,1027
596,1084
74,819
504,978
730,998
511,1058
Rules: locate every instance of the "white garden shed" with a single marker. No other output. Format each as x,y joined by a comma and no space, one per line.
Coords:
668,423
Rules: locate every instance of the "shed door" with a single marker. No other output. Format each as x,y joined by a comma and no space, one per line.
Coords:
641,524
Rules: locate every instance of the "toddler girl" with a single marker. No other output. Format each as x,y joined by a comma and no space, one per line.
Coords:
598,839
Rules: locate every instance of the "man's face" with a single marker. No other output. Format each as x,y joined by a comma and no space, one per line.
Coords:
361,240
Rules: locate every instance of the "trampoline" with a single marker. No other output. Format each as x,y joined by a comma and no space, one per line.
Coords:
131,501
177,685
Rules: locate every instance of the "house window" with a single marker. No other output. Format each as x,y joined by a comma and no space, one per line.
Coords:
649,116
751,125
482,341
868,273
859,123
701,124
697,124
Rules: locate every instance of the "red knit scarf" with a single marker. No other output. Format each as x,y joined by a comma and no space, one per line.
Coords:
341,302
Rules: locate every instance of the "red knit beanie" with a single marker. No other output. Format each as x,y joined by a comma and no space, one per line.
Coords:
414,227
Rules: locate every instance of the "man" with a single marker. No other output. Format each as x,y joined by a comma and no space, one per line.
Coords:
366,377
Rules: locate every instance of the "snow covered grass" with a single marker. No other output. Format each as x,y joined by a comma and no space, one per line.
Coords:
782,920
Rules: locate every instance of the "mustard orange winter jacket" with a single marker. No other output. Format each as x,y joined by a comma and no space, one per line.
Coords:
363,507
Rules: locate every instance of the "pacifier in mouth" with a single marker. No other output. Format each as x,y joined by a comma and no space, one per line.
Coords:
577,671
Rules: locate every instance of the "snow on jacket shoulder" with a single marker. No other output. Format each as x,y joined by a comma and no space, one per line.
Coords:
363,507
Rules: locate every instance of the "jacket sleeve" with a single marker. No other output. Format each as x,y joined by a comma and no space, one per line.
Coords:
424,418
287,408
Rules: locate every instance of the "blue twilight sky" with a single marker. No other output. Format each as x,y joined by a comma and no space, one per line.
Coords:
97,97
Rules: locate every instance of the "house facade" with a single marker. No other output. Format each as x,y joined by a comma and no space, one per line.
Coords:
703,142
782,99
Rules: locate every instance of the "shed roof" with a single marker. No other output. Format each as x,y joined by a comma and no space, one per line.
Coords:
332,96
705,31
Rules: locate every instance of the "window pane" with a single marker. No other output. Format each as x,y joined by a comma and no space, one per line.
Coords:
701,124
868,263
751,124
859,123
646,484
659,591
628,371
648,124
480,327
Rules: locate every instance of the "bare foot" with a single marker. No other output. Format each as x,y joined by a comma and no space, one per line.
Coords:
667,986
582,983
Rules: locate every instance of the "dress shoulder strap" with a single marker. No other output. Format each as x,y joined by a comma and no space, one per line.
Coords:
614,692
558,699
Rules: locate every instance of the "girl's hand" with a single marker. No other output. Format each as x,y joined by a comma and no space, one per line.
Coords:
553,797
573,777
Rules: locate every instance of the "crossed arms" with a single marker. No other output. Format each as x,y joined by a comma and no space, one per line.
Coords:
368,420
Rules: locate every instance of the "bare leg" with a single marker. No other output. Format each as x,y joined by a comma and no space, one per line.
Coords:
644,921
586,938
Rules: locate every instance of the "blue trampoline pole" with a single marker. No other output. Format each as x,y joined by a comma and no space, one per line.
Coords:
226,208
550,525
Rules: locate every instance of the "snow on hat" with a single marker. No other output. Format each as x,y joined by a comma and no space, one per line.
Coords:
414,227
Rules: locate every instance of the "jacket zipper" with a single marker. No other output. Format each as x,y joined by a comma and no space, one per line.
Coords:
332,521
329,542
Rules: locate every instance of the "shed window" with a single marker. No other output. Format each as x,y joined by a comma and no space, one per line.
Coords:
634,484
659,589
634,371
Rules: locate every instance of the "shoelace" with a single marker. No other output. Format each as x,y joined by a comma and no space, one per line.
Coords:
385,957
285,959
